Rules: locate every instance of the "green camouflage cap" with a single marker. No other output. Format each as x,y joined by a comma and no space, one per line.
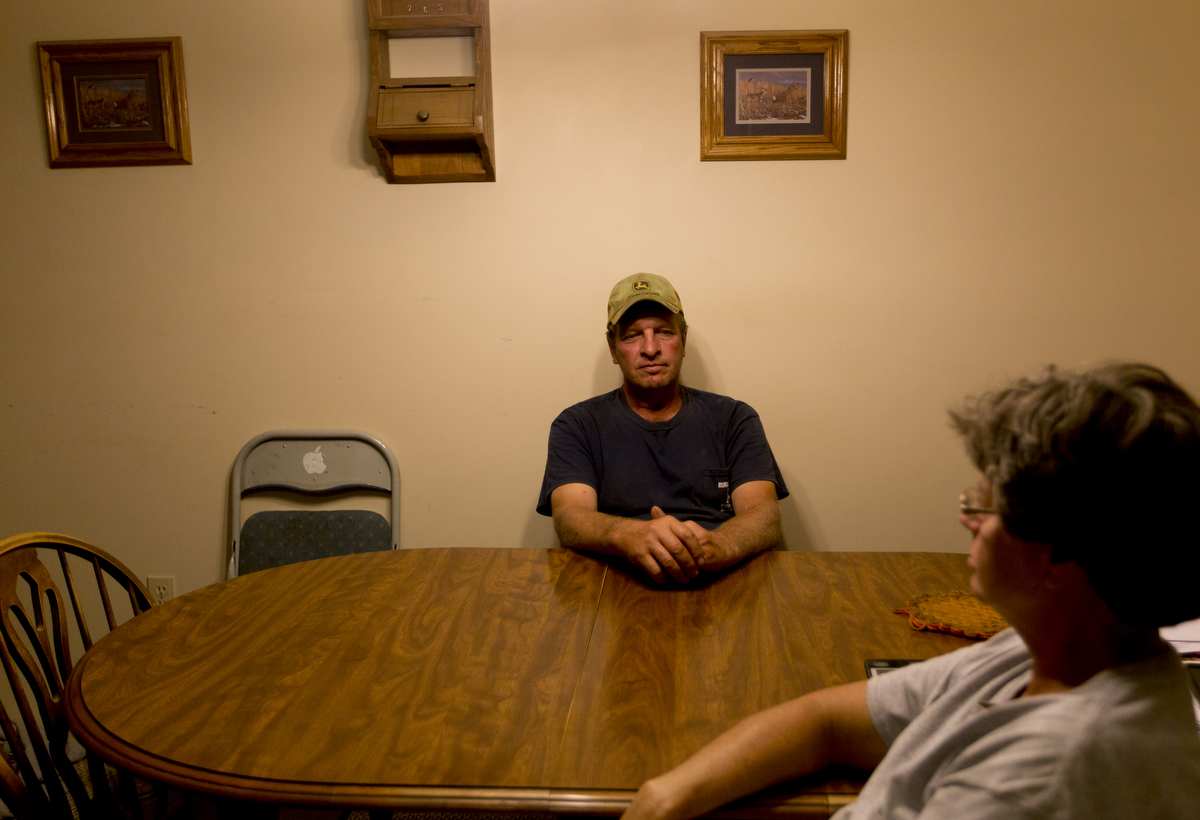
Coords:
633,289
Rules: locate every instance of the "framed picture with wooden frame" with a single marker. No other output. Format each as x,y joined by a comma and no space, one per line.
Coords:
773,94
115,102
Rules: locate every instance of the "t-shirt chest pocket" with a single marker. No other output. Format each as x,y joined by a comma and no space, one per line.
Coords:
714,489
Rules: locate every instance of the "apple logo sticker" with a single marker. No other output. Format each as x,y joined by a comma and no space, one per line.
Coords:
314,462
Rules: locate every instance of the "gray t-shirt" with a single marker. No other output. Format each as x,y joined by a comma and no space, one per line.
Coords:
963,744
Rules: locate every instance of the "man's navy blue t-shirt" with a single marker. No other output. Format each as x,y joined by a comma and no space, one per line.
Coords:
688,465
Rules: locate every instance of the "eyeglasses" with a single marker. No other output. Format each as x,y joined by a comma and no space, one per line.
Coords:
970,503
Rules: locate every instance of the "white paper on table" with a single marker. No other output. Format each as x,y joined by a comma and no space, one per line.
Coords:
1185,637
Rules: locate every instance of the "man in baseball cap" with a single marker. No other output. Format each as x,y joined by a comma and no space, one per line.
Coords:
677,480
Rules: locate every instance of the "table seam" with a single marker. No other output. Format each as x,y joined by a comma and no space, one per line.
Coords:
582,666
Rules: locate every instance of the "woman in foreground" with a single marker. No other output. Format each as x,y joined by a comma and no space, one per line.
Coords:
1085,539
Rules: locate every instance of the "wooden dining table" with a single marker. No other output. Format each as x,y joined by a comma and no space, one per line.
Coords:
543,682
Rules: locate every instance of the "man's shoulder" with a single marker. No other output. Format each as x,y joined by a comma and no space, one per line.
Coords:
718,404
598,410
603,403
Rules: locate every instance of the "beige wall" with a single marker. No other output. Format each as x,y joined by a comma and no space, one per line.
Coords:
1023,187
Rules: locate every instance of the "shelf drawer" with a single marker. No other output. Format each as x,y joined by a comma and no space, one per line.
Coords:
399,107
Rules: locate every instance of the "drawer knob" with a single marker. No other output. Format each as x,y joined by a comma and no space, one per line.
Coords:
422,115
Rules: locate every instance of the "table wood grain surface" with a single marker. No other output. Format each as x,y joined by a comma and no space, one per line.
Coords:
535,681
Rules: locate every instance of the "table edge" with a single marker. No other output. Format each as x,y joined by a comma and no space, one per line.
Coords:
557,801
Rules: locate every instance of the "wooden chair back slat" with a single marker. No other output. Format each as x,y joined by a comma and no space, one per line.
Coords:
84,634
108,612
45,660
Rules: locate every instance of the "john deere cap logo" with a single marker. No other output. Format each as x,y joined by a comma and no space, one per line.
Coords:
641,284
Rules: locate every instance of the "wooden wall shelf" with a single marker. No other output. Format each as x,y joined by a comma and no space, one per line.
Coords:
431,129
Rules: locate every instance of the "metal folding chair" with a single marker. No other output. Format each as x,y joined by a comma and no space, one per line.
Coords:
311,463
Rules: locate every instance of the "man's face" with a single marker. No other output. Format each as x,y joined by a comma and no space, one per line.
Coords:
649,348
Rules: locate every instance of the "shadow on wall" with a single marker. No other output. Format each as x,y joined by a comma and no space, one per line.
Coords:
794,512
539,530
359,150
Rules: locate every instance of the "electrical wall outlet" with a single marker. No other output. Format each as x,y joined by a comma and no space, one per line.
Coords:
162,587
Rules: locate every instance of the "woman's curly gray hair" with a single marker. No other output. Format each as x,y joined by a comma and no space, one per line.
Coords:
1104,466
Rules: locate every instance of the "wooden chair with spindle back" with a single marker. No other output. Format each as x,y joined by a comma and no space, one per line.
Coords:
39,649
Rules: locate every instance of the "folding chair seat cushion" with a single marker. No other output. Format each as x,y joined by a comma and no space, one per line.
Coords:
276,537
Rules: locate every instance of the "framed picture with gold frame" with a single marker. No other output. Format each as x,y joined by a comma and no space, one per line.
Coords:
773,94
115,102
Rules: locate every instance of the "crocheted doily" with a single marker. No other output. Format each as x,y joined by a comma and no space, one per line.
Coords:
959,613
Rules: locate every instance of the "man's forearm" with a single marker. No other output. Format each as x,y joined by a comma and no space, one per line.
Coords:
750,531
589,530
